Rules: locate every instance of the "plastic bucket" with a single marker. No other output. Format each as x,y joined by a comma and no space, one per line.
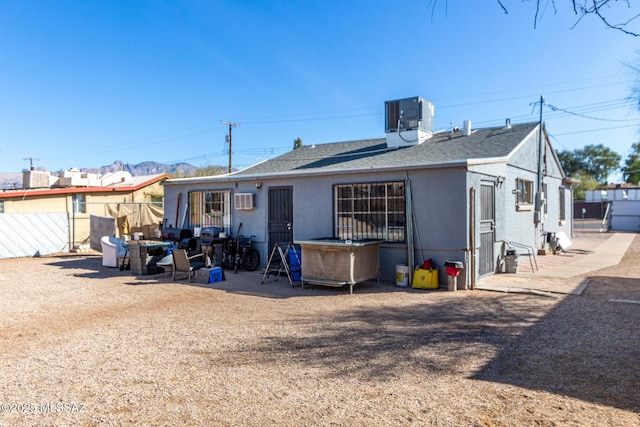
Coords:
511,264
402,275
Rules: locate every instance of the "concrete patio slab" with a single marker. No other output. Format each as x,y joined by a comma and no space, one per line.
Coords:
557,274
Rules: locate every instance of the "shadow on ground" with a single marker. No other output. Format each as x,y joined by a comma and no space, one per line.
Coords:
442,335
586,347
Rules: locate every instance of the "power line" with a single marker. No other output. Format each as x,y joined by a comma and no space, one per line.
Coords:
554,108
598,130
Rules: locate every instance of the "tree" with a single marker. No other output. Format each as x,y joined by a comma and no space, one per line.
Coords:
601,9
597,161
569,161
587,182
201,171
210,171
297,143
631,170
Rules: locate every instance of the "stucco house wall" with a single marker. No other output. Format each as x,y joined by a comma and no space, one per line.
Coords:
441,188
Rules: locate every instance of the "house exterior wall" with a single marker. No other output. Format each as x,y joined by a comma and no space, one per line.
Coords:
439,212
441,207
514,225
80,227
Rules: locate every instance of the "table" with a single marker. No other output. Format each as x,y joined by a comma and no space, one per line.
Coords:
338,262
144,255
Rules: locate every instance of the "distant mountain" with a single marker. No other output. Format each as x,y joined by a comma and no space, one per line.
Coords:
10,180
146,168
176,170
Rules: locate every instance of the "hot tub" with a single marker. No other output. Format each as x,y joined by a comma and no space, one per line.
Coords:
338,262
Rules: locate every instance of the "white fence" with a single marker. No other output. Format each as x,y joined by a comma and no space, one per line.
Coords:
625,215
33,234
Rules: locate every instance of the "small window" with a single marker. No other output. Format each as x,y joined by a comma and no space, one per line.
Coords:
524,194
1,206
79,203
157,200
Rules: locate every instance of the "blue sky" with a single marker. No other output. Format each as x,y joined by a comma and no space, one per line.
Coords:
86,83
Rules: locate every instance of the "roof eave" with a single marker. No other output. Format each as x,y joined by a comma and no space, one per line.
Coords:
323,172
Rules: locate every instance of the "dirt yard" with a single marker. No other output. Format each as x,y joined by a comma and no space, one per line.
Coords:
84,345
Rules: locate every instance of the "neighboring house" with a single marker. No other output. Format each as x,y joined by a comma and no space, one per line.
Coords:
465,195
83,195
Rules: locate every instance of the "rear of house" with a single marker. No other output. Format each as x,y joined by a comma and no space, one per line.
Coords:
462,195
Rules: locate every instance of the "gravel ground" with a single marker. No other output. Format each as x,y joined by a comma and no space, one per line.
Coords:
87,345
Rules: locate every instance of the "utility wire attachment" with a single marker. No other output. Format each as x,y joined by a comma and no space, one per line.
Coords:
229,137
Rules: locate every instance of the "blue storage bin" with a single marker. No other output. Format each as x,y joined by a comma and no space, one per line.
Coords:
215,275
294,257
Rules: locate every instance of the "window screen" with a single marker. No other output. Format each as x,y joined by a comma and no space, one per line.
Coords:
210,209
370,211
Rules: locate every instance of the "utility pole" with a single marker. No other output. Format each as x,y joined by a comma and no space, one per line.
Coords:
31,159
229,137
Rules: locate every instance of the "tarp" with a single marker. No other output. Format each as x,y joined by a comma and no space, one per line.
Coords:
136,217
33,234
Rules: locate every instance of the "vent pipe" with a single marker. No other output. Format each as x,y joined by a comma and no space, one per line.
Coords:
466,127
508,124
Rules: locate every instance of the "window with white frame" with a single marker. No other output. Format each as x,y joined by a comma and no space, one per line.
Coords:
79,203
524,193
210,209
370,211
157,200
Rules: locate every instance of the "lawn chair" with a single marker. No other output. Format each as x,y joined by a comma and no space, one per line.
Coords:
112,251
186,264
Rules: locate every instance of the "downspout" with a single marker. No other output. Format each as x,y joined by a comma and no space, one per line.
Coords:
538,211
409,222
74,204
472,237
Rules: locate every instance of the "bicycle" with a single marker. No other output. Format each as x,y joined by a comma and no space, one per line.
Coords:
238,252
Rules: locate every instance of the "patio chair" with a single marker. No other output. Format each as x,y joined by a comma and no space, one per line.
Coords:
185,264
112,251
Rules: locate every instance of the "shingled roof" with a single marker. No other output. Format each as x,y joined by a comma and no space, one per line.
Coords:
443,149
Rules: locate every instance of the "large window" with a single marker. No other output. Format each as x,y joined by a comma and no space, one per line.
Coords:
524,190
370,211
210,209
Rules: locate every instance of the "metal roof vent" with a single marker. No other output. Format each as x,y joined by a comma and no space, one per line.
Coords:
408,121
466,127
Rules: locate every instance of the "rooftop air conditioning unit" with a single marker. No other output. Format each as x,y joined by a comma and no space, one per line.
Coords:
36,179
408,121
244,201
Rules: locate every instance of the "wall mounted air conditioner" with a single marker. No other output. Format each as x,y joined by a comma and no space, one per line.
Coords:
244,201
